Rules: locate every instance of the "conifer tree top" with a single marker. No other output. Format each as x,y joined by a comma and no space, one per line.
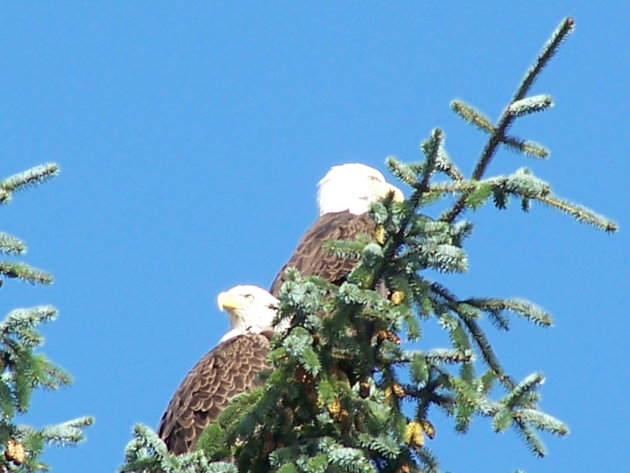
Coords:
348,392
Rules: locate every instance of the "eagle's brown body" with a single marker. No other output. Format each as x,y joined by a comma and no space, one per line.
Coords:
231,368
311,259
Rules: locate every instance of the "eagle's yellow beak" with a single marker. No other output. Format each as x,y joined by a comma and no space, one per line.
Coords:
228,301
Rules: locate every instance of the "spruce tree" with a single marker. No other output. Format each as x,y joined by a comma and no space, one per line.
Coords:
23,369
352,388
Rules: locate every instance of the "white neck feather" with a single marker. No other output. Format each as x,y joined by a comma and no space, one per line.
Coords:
328,203
235,332
231,334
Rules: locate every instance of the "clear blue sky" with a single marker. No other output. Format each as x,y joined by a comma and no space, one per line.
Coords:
191,137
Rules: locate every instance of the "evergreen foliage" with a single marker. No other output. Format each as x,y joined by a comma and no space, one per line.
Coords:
22,370
346,394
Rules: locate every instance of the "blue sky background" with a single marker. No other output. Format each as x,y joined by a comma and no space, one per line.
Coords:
191,138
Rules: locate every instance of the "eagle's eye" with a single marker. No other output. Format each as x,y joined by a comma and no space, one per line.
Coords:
374,179
249,297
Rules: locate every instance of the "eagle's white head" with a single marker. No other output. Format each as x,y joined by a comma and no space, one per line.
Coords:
353,187
250,309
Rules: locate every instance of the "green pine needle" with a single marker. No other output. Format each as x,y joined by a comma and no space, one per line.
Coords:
18,321
31,177
479,196
350,459
523,183
581,214
532,440
528,148
548,51
524,308
502,420
445,355
346,249
534,104
428,460
11,245
522,389
25,272
472,115
543,421
402,171
288,468
444,164
67,433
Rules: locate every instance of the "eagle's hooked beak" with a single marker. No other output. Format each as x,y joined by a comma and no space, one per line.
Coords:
227,301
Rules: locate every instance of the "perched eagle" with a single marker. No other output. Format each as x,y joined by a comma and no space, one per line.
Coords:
344,197
230,368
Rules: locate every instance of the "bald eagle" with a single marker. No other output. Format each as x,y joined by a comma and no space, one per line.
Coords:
344,197
230,368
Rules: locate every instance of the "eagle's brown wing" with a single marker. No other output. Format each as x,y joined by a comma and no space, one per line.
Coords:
230,368
310,259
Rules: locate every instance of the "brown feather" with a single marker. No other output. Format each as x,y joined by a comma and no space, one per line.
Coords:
231,368
310,259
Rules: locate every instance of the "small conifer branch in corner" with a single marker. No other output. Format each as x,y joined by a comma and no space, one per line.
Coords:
22,370
146,453
507,117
